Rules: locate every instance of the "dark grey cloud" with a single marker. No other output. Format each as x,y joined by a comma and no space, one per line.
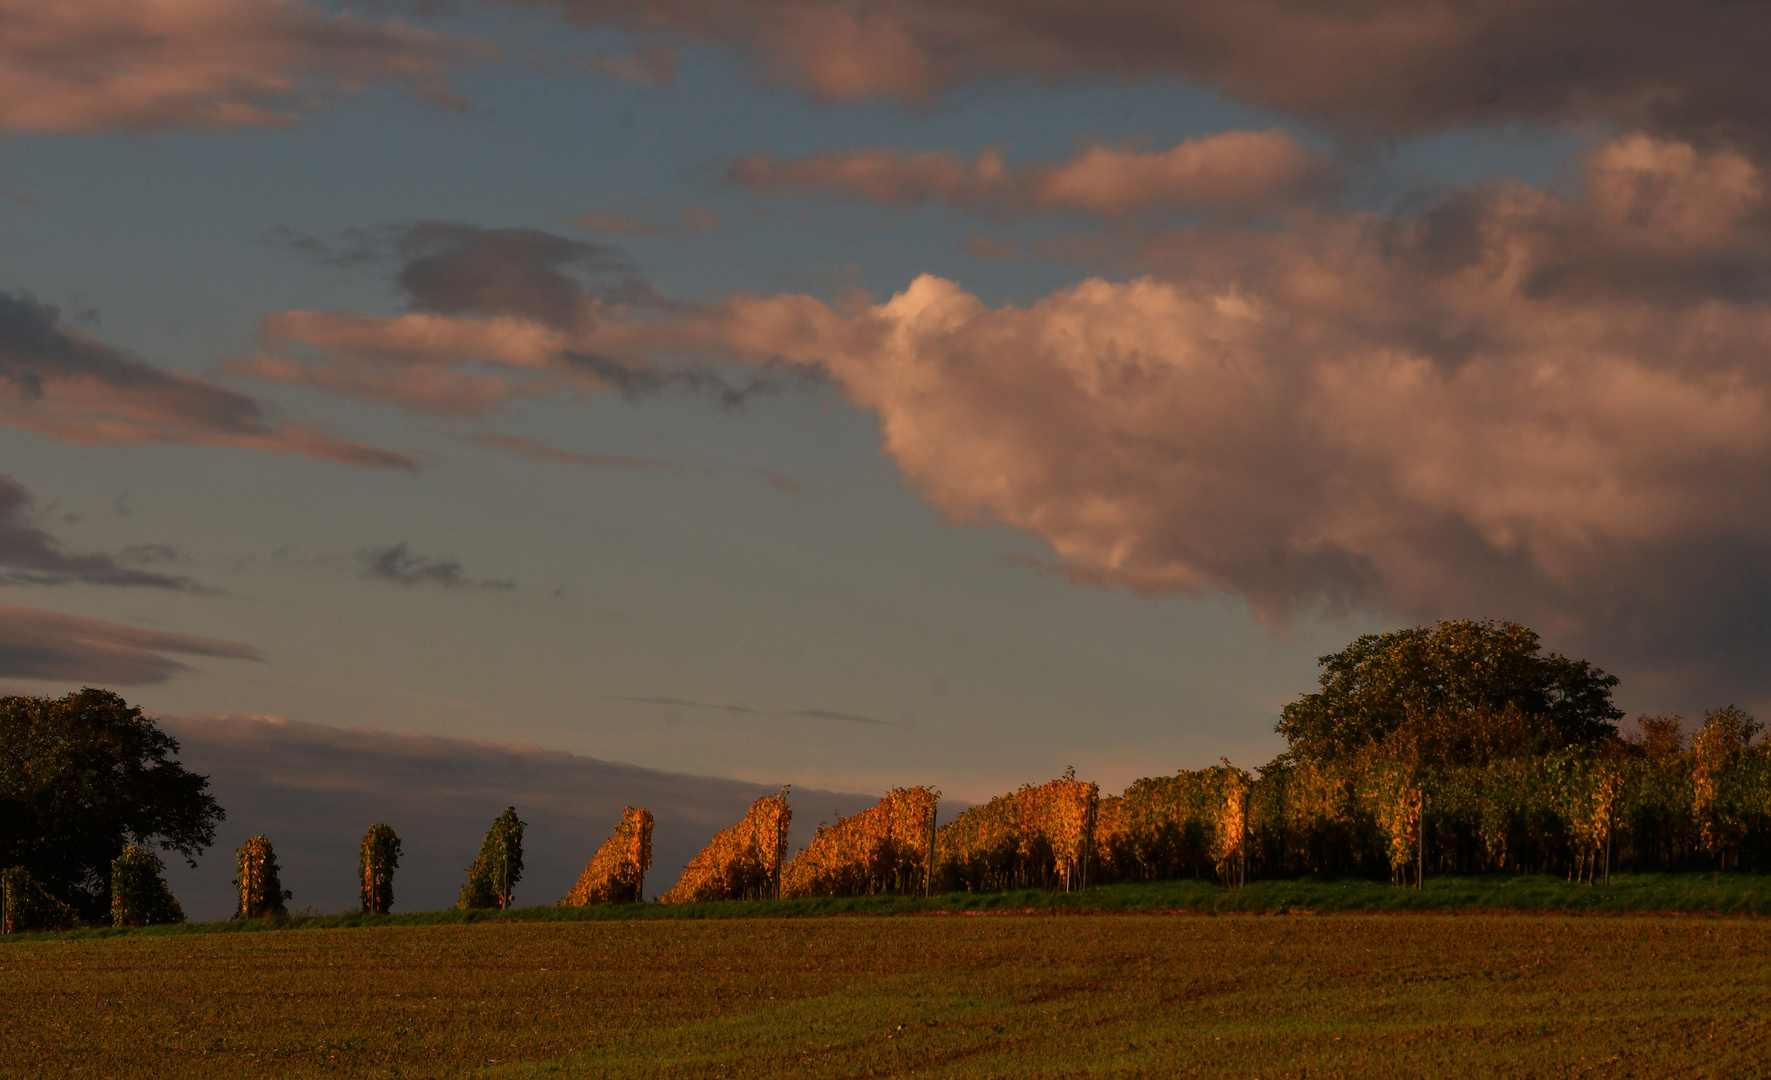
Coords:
36,352
1693,68
457,269
397,563
314,791
37,644
549,295
742,710
453,268
634,380
60,383
31,556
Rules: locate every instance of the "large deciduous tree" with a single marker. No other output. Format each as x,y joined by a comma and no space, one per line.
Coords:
81,778
1458,689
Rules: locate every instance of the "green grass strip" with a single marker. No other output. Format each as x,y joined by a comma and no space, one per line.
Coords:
1687,893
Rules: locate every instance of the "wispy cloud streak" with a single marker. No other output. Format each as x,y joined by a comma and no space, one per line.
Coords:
130,66
398,564
38,644
31,556
60,383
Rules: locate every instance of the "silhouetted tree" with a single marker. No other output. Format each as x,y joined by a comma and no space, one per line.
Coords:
82,777
493,877
1461,672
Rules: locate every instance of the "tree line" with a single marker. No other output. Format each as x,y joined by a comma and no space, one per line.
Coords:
1458,747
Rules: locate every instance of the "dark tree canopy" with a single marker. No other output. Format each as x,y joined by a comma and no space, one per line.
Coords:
492,879
83,776
1486,679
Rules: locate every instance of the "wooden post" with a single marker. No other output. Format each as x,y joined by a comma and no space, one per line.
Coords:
1420,840
1088,841
928,882
1608,850
780,842
1242,872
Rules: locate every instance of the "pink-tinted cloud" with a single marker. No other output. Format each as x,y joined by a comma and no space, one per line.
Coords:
141,65
62,384
1398,66
498,314
37,644
1510,403
1237,171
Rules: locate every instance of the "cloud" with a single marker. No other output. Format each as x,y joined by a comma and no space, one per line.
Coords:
1233,171
455,269
397,564
494,315
36,644
314,790
536,450
30,556
83,66
1391,66
1507,403
691,222
60,383
741,710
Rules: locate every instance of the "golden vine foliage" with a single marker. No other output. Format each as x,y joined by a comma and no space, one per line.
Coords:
1056,822
1590,814
884,848
616,874
742,862
1162,827
979,851
1034,838
377,858
1398,802
1229,845
1319,813
1725,732
261,891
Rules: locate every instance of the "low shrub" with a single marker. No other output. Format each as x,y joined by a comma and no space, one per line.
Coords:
27,905
139,896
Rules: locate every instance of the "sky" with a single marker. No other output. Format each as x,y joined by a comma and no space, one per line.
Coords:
862,394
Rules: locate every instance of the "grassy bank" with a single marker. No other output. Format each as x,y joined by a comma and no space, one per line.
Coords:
1474,995
1692,894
